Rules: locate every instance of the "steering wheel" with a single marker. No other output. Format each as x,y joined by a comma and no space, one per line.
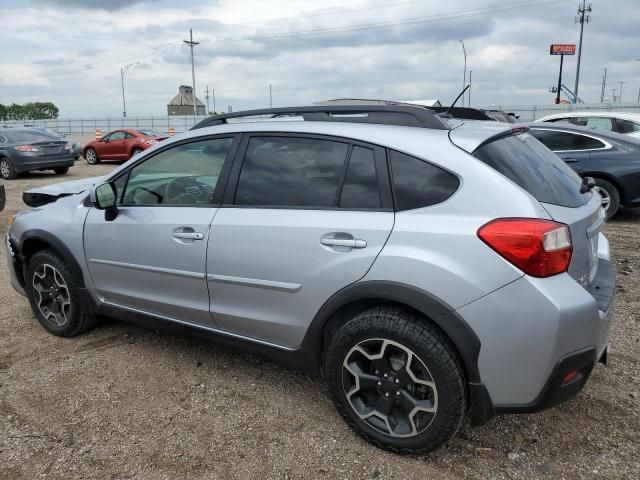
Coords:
185,190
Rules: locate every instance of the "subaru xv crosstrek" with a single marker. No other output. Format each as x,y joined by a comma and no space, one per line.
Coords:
431,270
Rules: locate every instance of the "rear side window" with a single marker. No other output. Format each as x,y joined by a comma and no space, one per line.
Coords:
298,172
627,126
360,189
598,123
564,141
532,166
417,183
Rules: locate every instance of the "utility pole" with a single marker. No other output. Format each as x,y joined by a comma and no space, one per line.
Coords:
464,78
613,95
213,94
206,95
124,70
192,44
470,73
270,98
581,18
620,91
604,85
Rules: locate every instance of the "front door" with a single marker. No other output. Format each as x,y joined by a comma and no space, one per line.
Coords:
114,146
308,217
151,257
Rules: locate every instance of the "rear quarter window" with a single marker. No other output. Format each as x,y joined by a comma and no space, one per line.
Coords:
532,166
417,183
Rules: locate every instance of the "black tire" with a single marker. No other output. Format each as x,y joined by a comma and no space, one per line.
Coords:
77,317
91,156
136,151
61,170
610,195
415,334
6,169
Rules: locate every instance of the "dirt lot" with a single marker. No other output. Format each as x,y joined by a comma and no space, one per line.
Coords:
122,402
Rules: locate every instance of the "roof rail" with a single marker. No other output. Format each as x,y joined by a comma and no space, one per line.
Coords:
402,115
466,113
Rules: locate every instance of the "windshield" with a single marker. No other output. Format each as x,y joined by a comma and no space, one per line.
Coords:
528,163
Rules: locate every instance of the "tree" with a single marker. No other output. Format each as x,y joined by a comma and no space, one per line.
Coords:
29,111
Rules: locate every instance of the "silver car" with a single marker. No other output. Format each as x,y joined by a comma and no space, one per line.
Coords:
432,270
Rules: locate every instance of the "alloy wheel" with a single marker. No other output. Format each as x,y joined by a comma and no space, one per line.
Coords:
5,168
51,294
389,387
91,156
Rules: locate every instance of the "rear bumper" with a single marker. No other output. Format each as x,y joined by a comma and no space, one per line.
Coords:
533,332
25,164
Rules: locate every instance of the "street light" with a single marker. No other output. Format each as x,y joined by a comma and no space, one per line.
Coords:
464,78
123,70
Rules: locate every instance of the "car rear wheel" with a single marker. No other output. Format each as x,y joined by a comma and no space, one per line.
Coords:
61,170
55,295
6,169
136,151
610,196
396,380
91,156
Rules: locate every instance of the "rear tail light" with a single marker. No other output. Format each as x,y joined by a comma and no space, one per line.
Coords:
540,248
27,148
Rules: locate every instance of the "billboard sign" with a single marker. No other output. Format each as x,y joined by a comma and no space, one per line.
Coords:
562,49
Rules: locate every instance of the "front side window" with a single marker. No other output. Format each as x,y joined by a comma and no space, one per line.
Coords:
417,183
559,120
291,172
186,174
597,123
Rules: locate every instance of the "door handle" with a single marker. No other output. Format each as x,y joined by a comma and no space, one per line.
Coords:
571,160
343,242
188,235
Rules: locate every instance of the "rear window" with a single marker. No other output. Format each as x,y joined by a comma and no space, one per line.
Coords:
529,164
30,137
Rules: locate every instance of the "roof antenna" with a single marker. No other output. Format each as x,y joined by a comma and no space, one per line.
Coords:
447,113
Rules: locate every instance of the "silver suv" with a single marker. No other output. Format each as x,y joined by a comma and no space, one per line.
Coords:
431,269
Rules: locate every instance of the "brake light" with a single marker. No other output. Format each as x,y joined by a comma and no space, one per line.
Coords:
540,248
27,148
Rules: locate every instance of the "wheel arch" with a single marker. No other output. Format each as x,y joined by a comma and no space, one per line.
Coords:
357,297
32,241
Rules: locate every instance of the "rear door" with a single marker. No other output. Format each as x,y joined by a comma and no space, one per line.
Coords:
572,148
303,217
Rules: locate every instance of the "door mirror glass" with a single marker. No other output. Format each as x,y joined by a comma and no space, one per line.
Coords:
105,139
103,196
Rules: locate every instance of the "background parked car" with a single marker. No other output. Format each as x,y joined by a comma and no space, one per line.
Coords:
612,159
25,149
121,144
76,147
619,122
3,197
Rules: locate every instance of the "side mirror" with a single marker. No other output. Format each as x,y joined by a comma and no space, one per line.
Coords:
103,197
105,139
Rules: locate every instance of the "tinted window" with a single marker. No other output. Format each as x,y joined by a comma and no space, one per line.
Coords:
627,126
183,175
417,183
559,141
360,189
117,136
559,120
300,172
30,137
526,162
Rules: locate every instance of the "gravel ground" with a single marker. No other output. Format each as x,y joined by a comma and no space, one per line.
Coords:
123,402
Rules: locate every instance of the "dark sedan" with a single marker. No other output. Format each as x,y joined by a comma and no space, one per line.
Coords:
26,149
612,159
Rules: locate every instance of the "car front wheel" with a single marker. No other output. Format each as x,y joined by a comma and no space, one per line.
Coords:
91,156
396,380
55,295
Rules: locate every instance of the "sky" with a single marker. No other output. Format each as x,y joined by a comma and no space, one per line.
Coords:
71,52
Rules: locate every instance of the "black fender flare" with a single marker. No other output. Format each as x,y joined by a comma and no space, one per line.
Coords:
432,307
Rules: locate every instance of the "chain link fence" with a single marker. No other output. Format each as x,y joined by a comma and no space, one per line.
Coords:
88,126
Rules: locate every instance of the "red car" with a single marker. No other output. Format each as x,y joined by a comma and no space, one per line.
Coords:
121,144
